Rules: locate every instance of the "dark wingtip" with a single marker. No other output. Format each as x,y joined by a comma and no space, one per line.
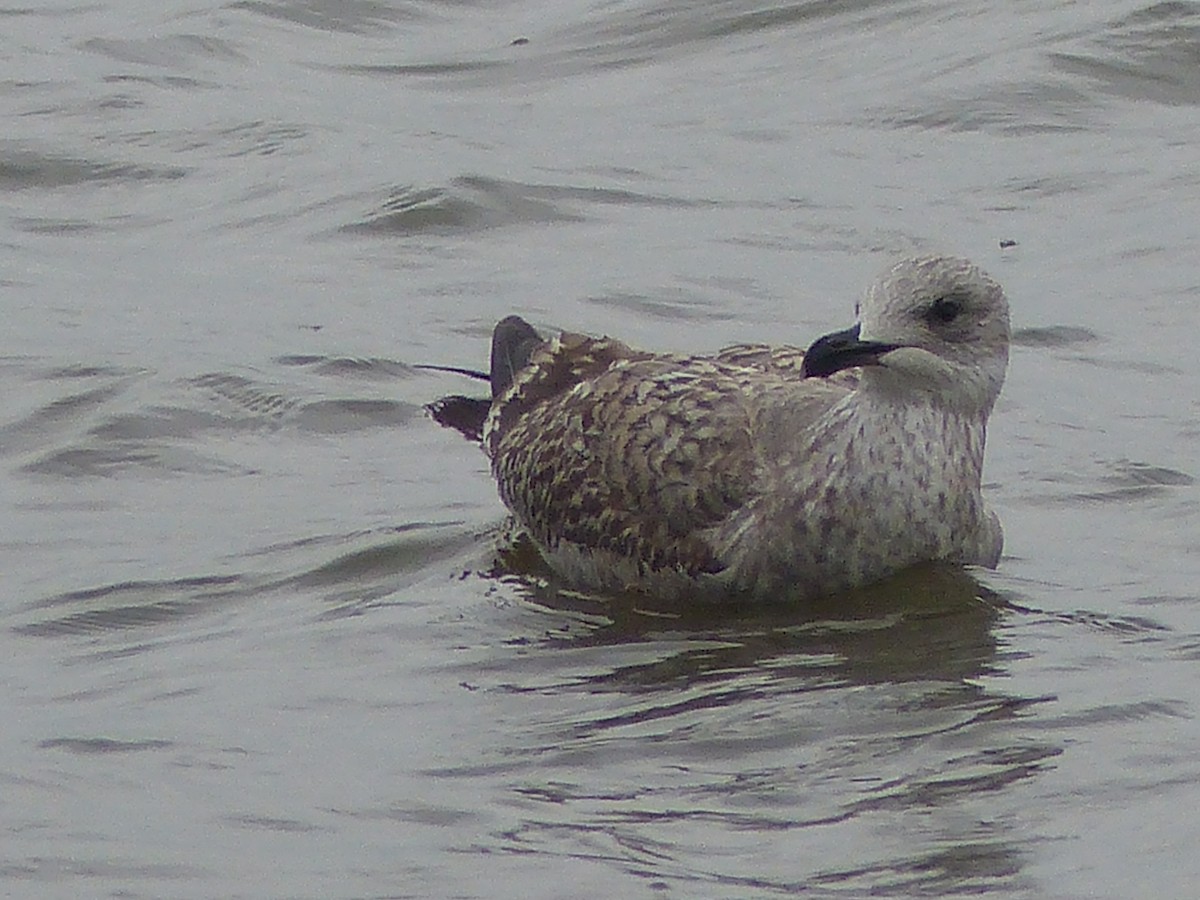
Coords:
513,343
465,415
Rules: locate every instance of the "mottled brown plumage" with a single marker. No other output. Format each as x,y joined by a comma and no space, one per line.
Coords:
624,452
735,474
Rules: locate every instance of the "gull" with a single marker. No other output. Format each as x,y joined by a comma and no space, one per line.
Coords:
758,472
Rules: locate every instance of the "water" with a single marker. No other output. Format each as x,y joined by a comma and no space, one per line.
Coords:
250,643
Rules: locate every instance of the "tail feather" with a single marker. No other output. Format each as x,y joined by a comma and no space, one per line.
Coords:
513,343
465,415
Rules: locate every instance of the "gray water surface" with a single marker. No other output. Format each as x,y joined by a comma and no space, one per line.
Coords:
251,640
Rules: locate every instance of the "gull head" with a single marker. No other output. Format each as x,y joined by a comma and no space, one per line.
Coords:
930,328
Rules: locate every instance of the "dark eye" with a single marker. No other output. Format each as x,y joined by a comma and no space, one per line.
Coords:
945,309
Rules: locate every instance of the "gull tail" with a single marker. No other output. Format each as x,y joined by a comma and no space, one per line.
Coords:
513,343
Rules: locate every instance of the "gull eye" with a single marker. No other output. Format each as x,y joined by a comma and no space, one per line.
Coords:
945,309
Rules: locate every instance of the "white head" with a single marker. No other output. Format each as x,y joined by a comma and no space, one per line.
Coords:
930,327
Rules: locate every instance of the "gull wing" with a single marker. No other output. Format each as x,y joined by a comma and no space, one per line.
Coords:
636,454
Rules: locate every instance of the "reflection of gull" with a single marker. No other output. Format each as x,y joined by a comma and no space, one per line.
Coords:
751,472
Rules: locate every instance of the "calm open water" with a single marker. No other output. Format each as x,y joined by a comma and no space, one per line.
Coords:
249,645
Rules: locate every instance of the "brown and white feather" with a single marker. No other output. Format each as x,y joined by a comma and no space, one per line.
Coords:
733,474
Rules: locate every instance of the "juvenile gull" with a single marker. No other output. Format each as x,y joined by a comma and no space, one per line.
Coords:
753,472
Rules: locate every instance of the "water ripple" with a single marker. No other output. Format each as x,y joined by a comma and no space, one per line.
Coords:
1053,336
1121,481
22,169
473,203
129,605
1152,54
349,16
169,51
90,746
